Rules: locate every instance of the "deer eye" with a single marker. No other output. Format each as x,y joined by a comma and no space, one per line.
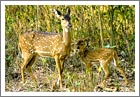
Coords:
62,18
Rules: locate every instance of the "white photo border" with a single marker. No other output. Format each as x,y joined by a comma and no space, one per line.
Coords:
4,93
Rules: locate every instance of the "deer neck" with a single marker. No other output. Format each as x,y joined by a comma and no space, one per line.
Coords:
66,36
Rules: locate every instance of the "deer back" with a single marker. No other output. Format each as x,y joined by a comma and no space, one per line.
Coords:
43,44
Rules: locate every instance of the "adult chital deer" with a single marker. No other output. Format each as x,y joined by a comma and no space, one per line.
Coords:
33,44
99,55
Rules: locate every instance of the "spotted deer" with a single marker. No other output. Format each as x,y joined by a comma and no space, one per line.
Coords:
33,44
103,56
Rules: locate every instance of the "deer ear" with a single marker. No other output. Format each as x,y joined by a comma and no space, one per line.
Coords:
57,13
68,11
85,40
80,41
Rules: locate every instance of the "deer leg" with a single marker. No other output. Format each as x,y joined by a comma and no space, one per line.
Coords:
23,65
119,68
89,70
22,72
88,67
115,58
29,68
62,64
57,60
122,73
106,71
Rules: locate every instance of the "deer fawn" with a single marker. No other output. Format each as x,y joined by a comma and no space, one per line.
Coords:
101,55
33,44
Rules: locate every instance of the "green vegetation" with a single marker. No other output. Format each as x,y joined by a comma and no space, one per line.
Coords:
104,26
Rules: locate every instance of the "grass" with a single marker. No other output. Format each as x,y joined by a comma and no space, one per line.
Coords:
74,79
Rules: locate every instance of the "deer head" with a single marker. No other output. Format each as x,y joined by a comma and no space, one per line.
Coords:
81,46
